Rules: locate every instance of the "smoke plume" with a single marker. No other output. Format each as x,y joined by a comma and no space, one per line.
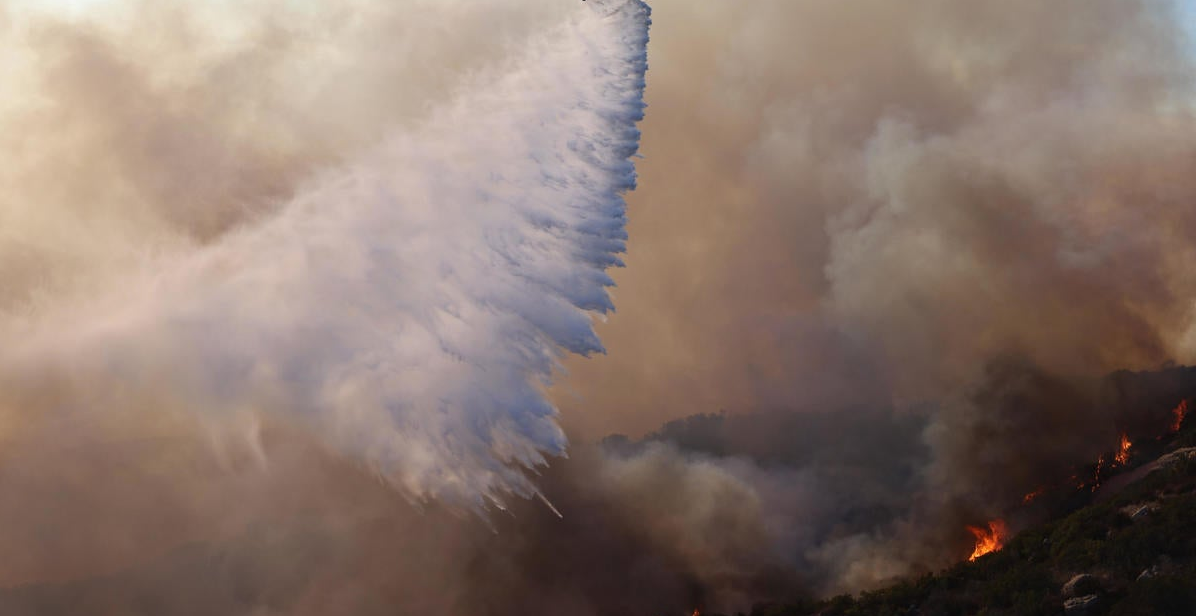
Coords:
851,203
964,214
410,300
284,287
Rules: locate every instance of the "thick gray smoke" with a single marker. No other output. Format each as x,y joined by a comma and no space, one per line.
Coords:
256,255
961,212
849,202
963,215
168,532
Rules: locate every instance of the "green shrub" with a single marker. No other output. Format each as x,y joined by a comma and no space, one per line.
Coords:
1164,596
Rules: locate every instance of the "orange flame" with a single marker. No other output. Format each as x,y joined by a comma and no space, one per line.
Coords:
1179,413
1032,495
989,540
1123,453
1096,474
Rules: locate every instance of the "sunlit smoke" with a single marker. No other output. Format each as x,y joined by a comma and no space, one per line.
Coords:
900,243
409,301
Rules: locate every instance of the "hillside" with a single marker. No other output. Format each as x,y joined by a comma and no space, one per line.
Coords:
1127,547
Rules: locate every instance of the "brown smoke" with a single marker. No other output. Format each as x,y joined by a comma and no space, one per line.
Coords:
949,214
845,202
164,525
967,213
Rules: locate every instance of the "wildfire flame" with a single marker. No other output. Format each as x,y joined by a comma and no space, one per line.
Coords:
988,540
1032,495
1100,464
1123,453
1179,413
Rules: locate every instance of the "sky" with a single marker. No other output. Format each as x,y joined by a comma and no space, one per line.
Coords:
1188,15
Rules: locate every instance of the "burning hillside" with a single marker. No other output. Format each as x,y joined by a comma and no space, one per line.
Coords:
988,540
300,300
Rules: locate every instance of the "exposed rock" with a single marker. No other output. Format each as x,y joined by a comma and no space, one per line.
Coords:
1080,606
1142,512
1175,457
1163,567
1081,585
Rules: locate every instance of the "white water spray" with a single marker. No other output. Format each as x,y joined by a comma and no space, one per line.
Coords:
410,303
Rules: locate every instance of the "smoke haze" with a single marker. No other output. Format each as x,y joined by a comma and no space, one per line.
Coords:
848,203
283,287
410,299
961,213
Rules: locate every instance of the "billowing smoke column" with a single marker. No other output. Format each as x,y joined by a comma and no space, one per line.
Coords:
966,213
409,302
917,233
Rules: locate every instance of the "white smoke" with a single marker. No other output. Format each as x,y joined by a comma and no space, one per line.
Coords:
411,302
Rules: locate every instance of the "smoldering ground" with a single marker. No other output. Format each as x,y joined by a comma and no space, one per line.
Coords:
928,228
